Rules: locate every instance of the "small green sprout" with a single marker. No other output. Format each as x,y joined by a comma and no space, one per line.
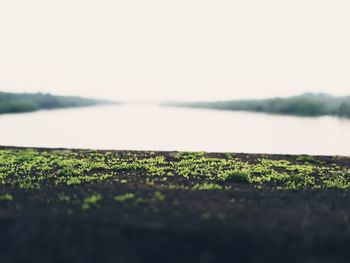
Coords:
242,176
64,198
124,197
90,201
158,196
6,197
73,181
305,159
207,186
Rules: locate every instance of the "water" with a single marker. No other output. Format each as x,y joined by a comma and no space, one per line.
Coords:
150,127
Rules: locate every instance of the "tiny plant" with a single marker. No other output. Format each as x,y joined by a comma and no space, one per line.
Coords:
6,197
305,159
124,197
207,186
237,176
91,201
158,196
73,181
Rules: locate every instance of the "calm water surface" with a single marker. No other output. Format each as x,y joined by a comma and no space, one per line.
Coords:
150,127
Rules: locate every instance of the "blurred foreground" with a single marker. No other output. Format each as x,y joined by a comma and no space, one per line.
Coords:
122,206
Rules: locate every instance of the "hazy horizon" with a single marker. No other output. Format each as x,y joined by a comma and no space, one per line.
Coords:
183,50
150,100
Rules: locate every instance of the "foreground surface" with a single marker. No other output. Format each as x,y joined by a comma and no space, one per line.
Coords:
91,206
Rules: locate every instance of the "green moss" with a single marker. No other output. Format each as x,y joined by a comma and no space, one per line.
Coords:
207,186
30,169
158,196
64,198
73,181
91,201
6,197
242,176
305,159
124,197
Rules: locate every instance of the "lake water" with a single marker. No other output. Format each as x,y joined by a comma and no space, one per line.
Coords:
151,127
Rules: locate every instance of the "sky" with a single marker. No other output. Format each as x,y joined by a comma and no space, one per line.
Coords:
175,50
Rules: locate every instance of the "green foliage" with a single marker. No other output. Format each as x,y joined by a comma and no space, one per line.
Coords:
6,197
343,110
79,177
308,104
91,201
124,197
242,176
73,181
305,158
26,102
32,170
339,183
64,198
207,186
158,196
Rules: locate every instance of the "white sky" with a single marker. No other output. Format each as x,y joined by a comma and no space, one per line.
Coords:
173,50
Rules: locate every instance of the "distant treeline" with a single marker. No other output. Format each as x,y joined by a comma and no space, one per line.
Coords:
308,104
26,102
